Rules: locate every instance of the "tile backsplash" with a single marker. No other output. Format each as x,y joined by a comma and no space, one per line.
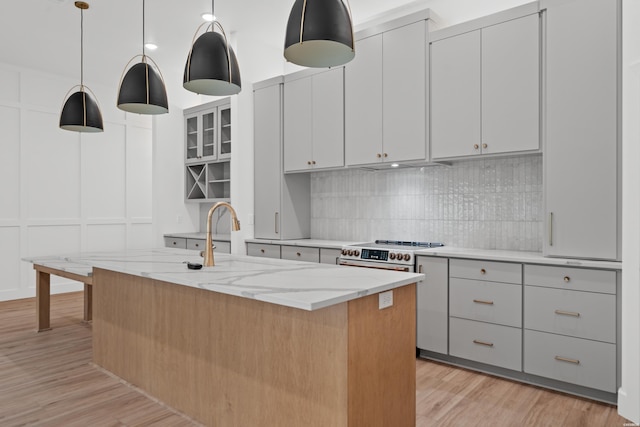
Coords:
493,203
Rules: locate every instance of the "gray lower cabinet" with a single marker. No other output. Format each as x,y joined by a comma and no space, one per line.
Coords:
552,325
263,250
485,312
175,242
432,300
300,253
221,246
329,255
570,325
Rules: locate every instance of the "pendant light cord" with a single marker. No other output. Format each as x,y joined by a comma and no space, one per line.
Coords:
213,15
143,54
81,49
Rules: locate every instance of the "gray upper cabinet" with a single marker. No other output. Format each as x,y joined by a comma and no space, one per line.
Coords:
314,121
385,96
582,147
485,87
281,202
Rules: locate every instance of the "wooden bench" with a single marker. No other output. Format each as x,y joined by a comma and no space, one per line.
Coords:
43,292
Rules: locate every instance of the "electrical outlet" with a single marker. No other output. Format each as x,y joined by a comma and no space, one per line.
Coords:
385,299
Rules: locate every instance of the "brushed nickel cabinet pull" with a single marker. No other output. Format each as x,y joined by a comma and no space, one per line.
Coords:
550,228
261,250
298,253
566,359
483,271
476,146
313,162
379,155
308,162
386,155
420,269
486,344
567,279
480,301
484,145
567,313
276,222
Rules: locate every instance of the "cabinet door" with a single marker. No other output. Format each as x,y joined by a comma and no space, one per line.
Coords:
432,305
267,165
209,138
404,93
224,132
581,148
363,103
455,96
511,86
298,124
192,138
328,119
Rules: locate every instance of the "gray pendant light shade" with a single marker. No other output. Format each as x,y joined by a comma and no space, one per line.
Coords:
142,89
212,67
319,34
80,112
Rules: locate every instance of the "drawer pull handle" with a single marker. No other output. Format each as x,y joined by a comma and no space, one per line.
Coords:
483,271
476,146
197,245
175,243
261,250
298,253
487,344
484,145
566,359
567,279
568,313
480,301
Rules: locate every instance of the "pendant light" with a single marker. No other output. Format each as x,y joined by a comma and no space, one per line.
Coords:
319,33
212,67
142,89
81,112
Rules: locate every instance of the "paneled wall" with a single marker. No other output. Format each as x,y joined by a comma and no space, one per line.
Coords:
65,192
479,203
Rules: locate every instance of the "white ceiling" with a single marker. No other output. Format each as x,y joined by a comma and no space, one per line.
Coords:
45,34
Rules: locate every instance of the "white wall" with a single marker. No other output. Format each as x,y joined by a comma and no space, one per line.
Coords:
629,394
65,192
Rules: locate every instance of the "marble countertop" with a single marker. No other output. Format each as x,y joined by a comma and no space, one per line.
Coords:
313,243
200,235
516,256
307,286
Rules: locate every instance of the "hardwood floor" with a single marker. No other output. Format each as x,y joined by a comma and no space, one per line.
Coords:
47,379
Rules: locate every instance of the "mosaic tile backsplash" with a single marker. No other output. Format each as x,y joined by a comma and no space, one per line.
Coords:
480,203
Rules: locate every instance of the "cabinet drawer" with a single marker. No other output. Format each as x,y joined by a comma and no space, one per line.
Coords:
329,256
574,360
263,250
504,272
299,253
175,242
196,244
491,302
222,246
579,314
582,279
487,343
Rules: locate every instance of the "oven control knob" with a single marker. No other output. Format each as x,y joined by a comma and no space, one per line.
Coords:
356,252
344,252
407,257
392,255
350,252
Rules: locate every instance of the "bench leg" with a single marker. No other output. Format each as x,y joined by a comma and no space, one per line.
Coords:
88,302
43,301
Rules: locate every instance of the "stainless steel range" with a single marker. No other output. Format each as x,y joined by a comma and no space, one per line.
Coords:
384,254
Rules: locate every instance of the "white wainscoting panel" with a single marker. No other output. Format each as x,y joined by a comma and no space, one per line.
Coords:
139,172
9,85
10,162
51,167
9,258
104,173
106,237
140,236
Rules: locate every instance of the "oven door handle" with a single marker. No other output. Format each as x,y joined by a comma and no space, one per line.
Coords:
405,269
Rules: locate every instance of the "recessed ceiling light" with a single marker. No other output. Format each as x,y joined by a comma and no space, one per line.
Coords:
394,165
151,46
209,17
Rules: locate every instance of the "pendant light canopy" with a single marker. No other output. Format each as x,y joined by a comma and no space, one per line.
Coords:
319,34
142,89
81,112
212,67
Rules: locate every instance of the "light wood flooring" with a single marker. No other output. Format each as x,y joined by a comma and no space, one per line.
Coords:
47,379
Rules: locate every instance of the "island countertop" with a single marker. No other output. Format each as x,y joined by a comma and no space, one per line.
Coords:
302,285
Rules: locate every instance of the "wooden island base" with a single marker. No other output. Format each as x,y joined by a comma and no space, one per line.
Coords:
231,361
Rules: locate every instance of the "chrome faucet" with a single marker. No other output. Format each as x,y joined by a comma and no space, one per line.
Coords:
235,226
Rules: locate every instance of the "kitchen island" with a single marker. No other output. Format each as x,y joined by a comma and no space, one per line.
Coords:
256,341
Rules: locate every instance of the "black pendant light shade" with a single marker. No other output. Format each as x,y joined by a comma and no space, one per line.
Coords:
212,67
142,91
319,34
81,113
